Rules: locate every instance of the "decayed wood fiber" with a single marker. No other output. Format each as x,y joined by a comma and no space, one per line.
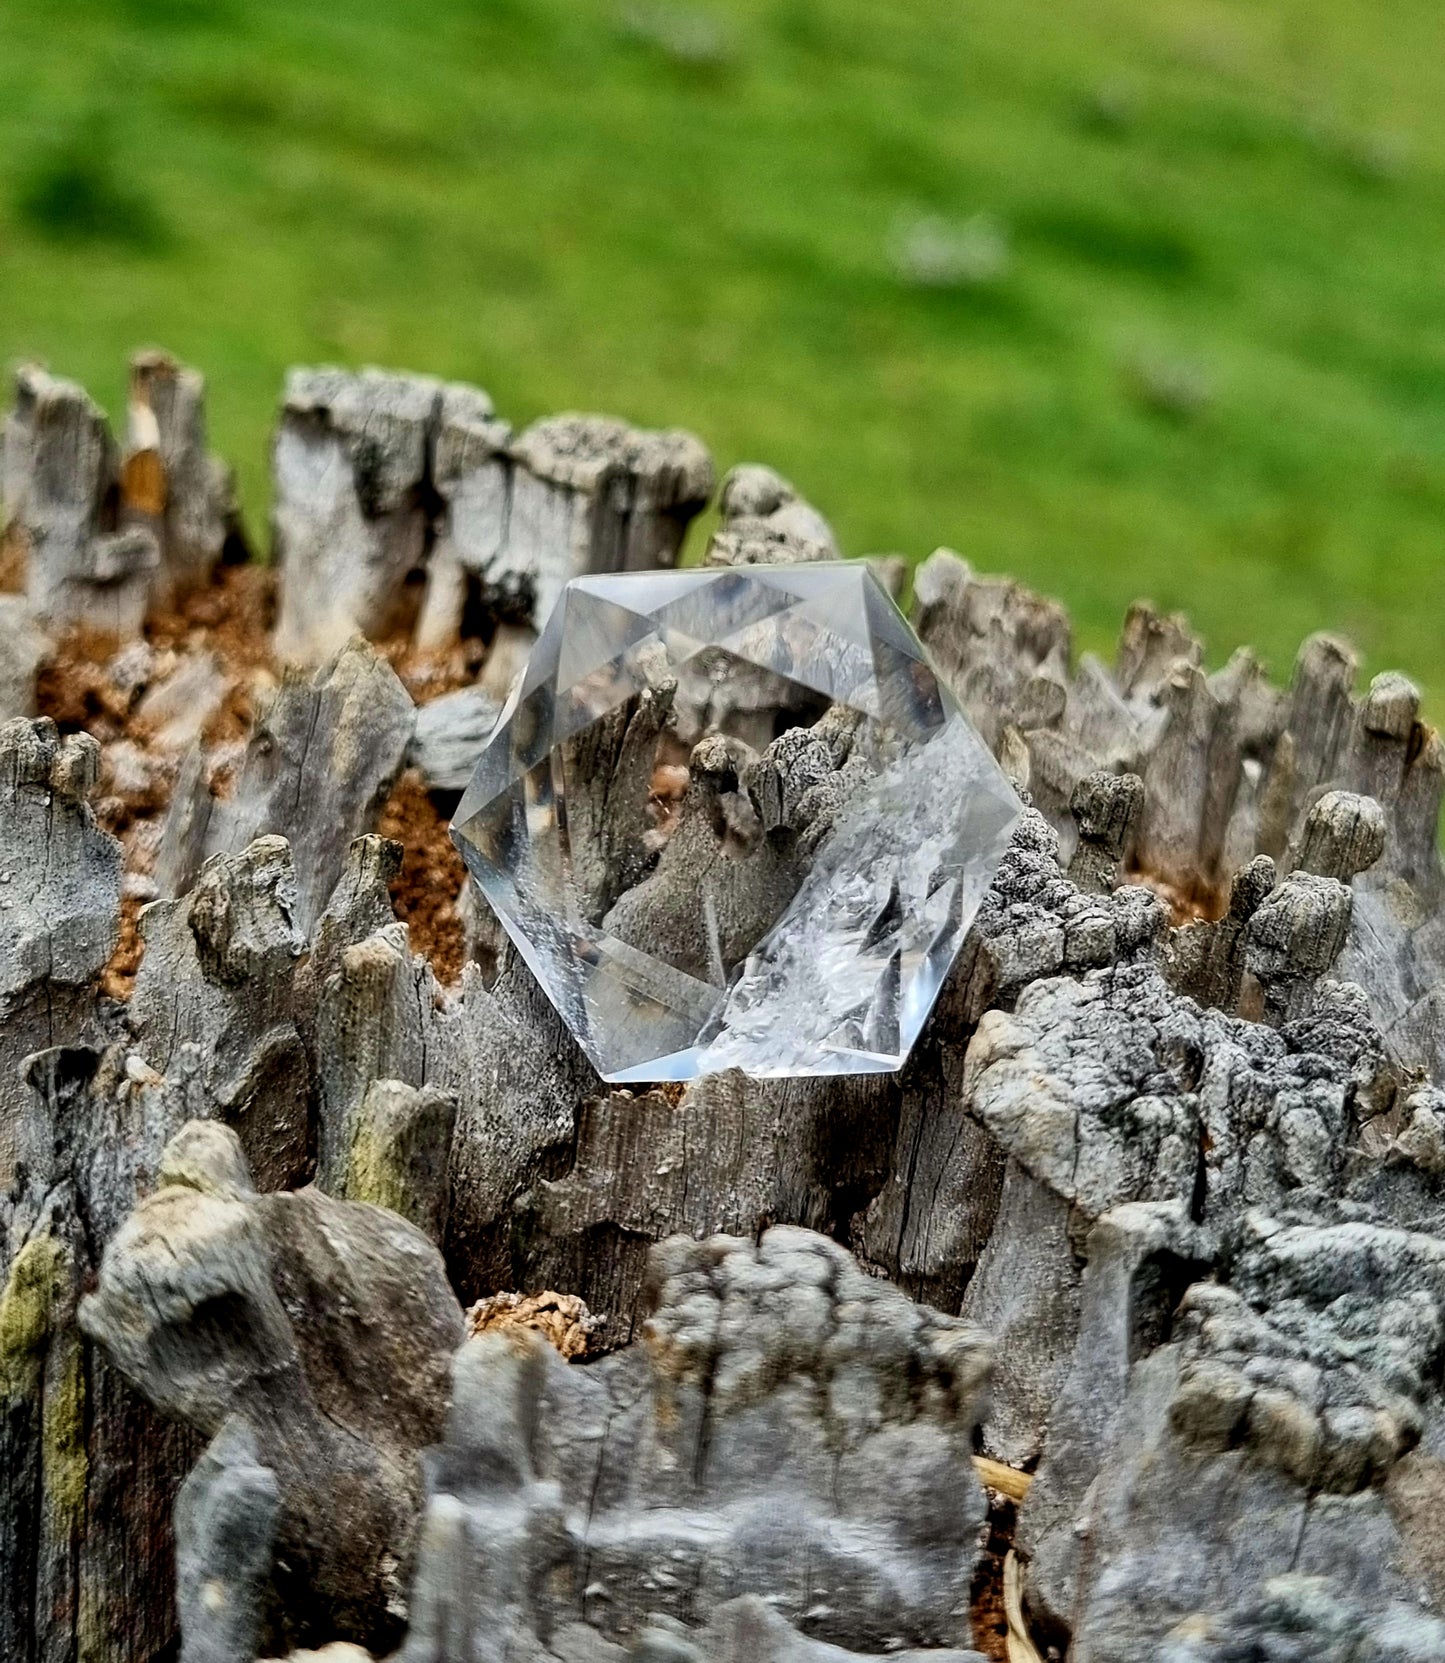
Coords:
277,1100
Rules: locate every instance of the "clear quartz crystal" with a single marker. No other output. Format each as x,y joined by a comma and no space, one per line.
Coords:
732,818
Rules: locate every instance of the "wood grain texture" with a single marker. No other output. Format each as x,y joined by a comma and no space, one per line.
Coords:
1165,1171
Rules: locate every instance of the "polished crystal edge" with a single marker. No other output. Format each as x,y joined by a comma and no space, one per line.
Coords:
918,816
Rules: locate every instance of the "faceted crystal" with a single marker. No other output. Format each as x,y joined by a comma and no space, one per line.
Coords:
733,818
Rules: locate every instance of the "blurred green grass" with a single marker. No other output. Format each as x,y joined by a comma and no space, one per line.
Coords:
1129,297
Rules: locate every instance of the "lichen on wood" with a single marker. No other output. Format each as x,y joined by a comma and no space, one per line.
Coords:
1166,1166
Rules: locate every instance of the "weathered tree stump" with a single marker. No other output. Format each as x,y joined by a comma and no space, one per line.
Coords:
1165,1172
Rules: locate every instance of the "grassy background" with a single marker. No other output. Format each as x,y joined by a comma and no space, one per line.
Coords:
1125,297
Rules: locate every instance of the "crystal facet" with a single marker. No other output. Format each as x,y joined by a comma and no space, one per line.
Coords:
733,818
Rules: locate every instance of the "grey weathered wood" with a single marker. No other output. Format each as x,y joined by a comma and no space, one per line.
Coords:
791,1429
352,515
1185,1170
521,1081
450,734
22,645
1293,937
1232,767
991,637
382,478
102,536
1207,960
177,489
219,975
401,1154
591,494
376,1019
1106,809
506,659
359,906
226,1517
732,1155
237,1312
173,713
754,492
611,762
763,520
88,1473
83,568
472,473
325,751
59,910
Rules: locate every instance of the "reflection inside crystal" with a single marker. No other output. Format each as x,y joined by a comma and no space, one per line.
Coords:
732,818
